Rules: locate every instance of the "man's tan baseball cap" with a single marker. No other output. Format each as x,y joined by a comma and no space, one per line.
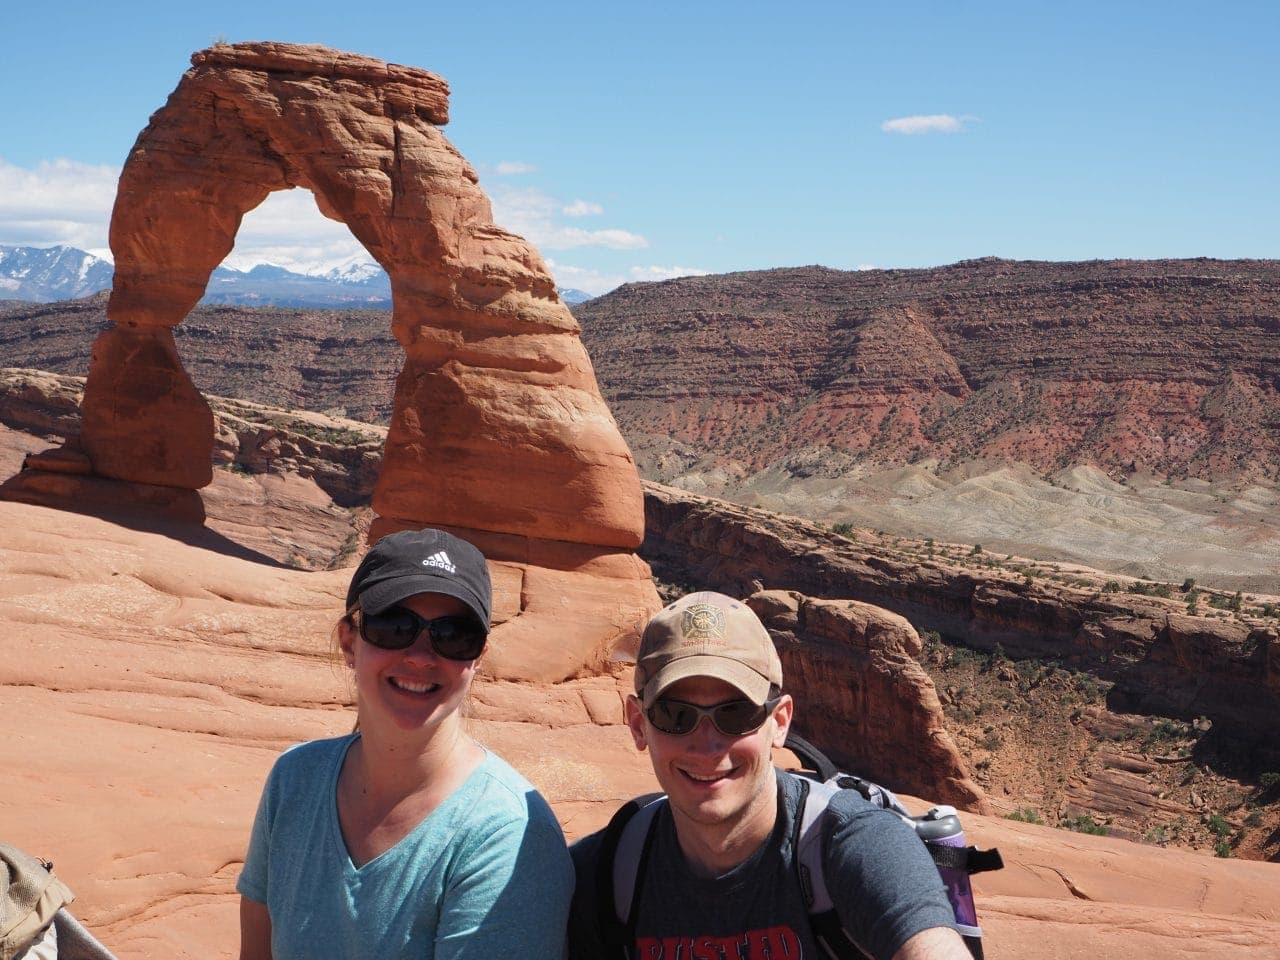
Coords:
707,635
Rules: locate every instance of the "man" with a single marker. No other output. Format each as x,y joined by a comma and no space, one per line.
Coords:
718,879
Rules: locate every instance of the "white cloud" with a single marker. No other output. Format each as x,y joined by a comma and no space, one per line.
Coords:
647,274
593,282
933,123
582,208
596,282
532,214
57,202
288,230
512,168
67,202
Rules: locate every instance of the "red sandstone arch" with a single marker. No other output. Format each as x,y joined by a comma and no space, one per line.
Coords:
498,423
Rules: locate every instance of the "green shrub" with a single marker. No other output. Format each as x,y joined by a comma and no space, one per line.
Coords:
1150,589
1084,824
1164,730
1223,849
1025,815
843,530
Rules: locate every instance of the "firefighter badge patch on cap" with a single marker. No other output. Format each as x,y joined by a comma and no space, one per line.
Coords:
703,623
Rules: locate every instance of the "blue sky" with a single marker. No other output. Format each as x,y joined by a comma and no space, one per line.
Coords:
639,141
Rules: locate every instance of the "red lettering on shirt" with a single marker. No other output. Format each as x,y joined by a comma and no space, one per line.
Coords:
771,943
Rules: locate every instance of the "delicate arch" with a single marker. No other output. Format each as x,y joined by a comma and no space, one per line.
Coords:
498,424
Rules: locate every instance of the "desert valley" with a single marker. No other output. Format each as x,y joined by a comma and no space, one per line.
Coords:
1013,525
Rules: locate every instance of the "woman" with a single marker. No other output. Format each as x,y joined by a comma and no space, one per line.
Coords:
406,838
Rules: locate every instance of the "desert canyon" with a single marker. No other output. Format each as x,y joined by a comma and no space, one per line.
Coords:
172,561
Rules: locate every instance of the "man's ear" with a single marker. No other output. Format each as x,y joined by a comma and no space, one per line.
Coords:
636,721
782,715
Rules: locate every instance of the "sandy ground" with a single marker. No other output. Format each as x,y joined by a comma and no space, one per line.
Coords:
1224,538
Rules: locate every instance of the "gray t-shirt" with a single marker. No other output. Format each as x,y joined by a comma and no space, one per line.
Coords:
885,887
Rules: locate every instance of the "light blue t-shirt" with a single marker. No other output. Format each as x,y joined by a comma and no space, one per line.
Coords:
485,875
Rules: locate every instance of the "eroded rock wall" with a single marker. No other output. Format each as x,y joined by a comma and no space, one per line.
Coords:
1160,660
863,697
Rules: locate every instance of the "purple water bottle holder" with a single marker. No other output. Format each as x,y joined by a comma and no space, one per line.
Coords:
940,827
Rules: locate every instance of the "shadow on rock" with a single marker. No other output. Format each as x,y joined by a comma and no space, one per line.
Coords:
169,511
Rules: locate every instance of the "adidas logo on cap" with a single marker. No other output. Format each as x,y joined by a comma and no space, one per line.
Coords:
440,560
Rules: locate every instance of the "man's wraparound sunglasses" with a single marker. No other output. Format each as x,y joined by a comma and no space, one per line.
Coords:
734,718
454,638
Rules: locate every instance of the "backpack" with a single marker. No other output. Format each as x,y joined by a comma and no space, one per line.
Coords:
33,915
624,847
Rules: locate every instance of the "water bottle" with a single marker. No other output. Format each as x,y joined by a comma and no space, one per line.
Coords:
940,827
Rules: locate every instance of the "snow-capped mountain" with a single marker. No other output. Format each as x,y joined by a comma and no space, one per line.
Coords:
65,273
357,285
359,271
44,274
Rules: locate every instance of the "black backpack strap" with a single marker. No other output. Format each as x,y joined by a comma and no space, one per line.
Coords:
825,771
620,862
810,756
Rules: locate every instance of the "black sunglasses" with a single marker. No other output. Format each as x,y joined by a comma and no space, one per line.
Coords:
734,718
454,637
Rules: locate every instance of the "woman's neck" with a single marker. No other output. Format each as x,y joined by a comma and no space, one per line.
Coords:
388,785
397,763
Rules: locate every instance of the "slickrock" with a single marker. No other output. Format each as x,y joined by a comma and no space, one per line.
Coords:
496,383
150,683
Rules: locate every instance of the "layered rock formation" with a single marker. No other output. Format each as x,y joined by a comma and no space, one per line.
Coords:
1160,660
496,383
855,673
1167,366
1056,364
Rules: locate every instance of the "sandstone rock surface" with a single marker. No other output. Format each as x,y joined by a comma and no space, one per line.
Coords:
149,684
496,386
292,494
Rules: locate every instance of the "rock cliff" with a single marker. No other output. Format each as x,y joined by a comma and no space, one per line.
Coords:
1160,660
1168,366
855,672
1154,516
